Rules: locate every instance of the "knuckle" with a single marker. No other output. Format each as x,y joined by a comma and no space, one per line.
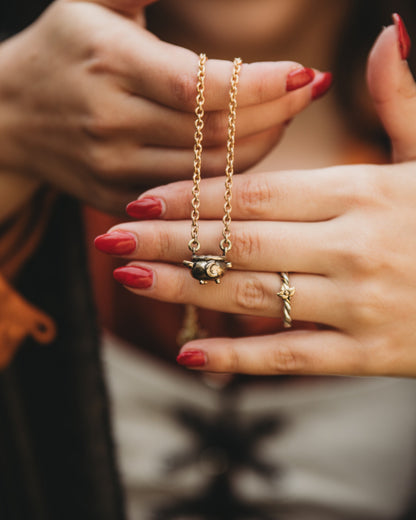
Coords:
283,360
362,253
368,186
183,87
250,295
163,242
372,307
245,245
356,258
98,61
98,126
376,353
101,163
261,87
177,290
101,56
253,196
232,361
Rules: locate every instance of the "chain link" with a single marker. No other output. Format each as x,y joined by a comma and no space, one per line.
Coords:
194,244
225,244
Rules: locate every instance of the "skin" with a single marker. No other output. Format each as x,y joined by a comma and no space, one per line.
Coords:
132,318
265,29
71,78
346,233
88,73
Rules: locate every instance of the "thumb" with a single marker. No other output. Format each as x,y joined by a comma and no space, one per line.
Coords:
393,88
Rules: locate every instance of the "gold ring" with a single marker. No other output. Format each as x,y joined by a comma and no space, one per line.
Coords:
286,292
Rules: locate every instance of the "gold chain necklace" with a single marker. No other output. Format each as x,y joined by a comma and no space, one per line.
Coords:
209,267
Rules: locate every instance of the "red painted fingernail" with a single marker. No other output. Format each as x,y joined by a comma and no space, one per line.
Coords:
299,78
145,208
322,84
134,276
116,243
192,358
403,36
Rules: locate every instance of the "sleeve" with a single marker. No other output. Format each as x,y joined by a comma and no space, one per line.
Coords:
19,238
20,235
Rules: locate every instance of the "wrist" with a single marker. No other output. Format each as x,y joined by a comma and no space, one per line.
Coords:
16,187
14,106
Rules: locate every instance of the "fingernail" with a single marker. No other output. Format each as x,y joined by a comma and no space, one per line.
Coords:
116,243
134,276
192,358
322,84
145,208
299,78
403,36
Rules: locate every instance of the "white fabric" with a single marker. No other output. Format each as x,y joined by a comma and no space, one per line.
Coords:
348,450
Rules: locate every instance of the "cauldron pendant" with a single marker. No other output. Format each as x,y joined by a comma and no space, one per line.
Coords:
208,268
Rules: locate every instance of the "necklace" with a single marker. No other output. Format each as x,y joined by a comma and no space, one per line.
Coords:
206,268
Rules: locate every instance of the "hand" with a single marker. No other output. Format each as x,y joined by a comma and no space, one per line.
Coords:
346,234
94,104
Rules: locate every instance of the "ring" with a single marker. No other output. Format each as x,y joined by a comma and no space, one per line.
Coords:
286,292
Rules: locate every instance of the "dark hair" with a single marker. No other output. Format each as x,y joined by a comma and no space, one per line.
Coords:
15,15
364,23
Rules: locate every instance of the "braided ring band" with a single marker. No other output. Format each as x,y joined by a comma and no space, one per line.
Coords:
285,293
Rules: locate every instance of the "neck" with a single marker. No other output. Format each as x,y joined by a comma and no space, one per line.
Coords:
314,42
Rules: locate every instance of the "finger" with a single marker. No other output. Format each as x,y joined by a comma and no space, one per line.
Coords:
301,248
239,292
287,353
393,88
127,163
312,195
158,125
168,75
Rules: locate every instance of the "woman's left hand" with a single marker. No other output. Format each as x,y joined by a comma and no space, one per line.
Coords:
346,234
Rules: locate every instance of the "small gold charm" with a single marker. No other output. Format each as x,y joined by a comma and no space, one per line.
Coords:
208,268
286,292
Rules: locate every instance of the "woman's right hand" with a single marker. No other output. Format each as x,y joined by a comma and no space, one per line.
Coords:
97,106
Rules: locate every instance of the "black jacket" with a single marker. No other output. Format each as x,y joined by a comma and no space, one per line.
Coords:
56,454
